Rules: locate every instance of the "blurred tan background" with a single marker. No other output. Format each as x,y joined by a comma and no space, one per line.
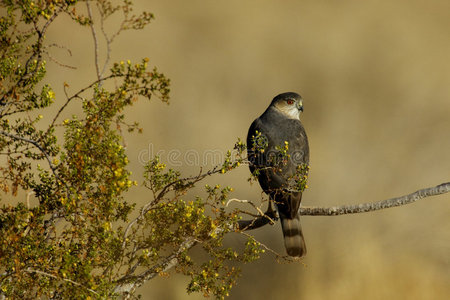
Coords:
375,78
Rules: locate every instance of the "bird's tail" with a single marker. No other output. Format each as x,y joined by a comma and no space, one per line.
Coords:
293,236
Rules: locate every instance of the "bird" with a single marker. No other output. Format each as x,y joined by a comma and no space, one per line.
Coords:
278,155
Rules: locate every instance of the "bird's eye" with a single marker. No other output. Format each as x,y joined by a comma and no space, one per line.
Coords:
290,101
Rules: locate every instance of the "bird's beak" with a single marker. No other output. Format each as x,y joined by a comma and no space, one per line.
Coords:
300,107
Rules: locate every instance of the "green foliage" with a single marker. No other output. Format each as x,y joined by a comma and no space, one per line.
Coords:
79,242
169,224
275,161
301,177
259,142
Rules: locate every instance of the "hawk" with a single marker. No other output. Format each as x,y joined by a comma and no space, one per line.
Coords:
277,151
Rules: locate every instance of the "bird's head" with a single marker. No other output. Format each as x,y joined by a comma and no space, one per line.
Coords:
290,104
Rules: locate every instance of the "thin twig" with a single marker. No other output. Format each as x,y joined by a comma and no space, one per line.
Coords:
269,217
107,39
190,181
47,157
29,270
279,257
77,95
245,201
94,36
54,59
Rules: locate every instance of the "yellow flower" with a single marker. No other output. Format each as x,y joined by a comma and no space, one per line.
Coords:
118,172
107,226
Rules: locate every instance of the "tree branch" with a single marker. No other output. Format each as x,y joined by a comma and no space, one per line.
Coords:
127,285
189,181
367,207
77,95
269,215
94,36
29,270
47,157
5,105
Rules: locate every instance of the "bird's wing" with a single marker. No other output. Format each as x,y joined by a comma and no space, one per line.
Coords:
273,136
253,155
259,148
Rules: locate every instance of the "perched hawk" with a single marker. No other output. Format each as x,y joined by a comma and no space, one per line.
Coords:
278,150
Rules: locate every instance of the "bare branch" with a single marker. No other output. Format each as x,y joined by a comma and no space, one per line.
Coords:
367,207
245,201
107,39
270,215
94,36
268,218
55,60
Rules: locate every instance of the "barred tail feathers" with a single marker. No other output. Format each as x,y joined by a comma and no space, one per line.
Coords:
293,236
